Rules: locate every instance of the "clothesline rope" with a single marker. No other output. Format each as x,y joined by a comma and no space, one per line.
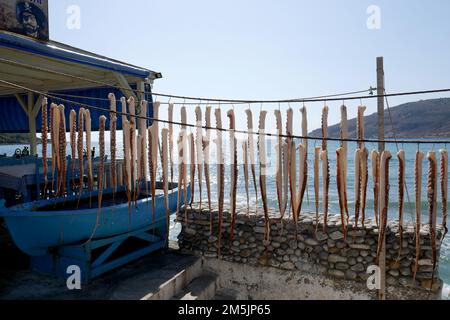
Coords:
190,125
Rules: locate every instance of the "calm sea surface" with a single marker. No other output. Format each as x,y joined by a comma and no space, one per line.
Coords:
410,150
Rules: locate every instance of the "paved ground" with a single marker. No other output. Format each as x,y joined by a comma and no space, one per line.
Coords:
131,282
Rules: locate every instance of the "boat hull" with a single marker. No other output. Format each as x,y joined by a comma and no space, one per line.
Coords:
35,232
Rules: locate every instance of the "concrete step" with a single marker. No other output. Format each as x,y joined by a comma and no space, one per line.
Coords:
202,288
177,283
226,294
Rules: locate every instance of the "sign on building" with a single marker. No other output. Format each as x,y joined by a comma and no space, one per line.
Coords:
27,17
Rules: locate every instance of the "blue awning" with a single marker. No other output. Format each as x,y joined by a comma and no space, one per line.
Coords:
62,51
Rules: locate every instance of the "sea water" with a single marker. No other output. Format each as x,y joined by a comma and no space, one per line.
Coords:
308,203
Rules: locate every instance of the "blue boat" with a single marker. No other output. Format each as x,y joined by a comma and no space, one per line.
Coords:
38,227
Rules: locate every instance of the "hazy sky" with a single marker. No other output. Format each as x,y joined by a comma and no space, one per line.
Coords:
260,49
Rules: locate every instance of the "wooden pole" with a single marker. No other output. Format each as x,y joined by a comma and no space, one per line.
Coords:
32,124
381,148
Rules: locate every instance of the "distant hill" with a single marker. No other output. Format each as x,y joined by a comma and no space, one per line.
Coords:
15,138
421,119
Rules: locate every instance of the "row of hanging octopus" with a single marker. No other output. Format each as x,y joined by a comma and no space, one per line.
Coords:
198,159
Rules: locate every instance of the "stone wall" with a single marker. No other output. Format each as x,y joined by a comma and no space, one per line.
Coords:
322,262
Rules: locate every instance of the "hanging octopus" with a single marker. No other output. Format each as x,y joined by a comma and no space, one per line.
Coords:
113,129
220,176
251,149
87,119
432,183
199,150
191,143
165,175
206,156
44,108
153,143
185,159
291,154
73,143
344,145
62,152
376,183
303,153
364,182
171,147
357,163
418,204
80,149
127,161
101,167
245,167
180,171
384,200
317,151
133,145
234,171
54,137
262,178
325,167
444,189
279,164
401,195
340,157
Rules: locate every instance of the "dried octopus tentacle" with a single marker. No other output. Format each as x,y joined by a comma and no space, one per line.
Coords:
357,162
205,146
285,177
326,187
113,130
303,159
153,137
432,206
73,143
364,182
144,135
80,147
245,167
303,176
340,157
291,154
360,126
384,200
171,147
444,189
220,176
206,157
251,149
101,168
199,150
165,175
180,170
191,142
317,151
418,205
401,195
234,170
62,152
293,180
54,122
376,183
262,177
185,171
87,119
140,165
133,144
44,108
279,167
127,161
344,145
